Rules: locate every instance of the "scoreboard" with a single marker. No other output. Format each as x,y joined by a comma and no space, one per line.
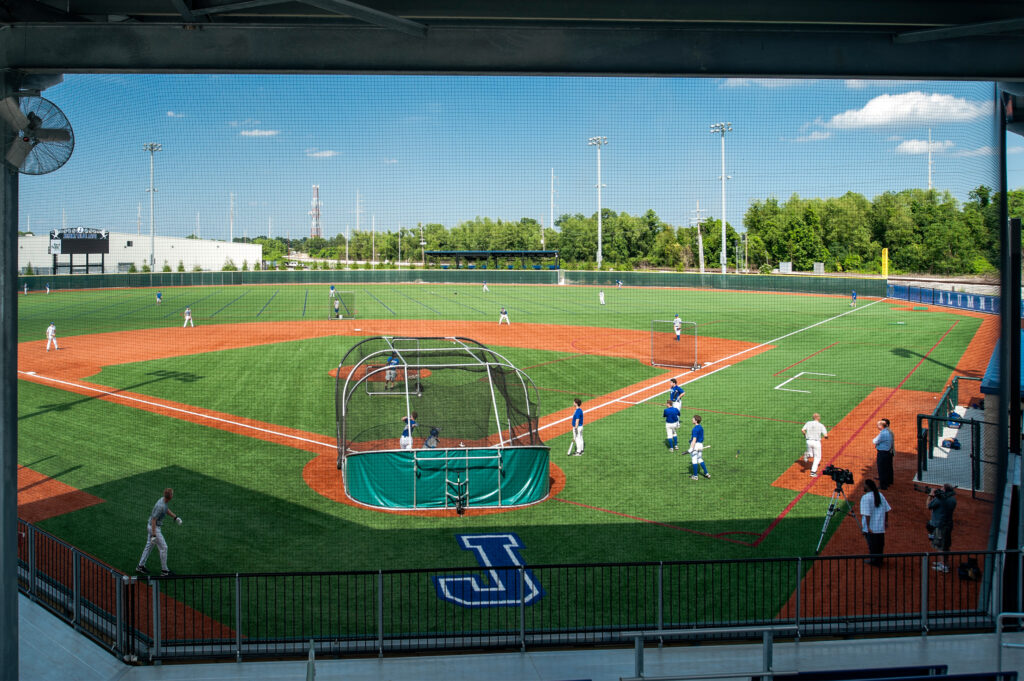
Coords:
79,240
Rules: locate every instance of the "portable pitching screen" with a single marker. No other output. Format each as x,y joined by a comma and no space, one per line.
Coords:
346,305
666,351
475,443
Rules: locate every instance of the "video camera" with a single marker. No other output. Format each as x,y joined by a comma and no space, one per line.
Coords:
841,476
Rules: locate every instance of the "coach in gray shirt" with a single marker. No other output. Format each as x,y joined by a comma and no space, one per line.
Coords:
154,534
884,446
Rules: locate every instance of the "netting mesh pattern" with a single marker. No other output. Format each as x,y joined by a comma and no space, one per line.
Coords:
470,395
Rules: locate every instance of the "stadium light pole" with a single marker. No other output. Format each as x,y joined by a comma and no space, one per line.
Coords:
721,129
152,148
598,142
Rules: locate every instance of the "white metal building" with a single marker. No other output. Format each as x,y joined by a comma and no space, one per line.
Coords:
132,249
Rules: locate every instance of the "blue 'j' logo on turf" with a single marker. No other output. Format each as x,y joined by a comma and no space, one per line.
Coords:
499,555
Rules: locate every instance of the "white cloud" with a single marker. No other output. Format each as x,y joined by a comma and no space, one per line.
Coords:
922,146
389,161
814,136
175,114
1015,150
911,108
980,151
766,82
256,132
321,153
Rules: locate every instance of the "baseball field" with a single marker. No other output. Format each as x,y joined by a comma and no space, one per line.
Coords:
237,415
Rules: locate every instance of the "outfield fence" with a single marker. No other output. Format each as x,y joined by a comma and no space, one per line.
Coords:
246,616
735,282
935,296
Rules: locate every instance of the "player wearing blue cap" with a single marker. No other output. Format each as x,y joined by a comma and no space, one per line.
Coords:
671,415
697,448
675,394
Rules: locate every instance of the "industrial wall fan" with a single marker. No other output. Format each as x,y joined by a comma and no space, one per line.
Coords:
43,140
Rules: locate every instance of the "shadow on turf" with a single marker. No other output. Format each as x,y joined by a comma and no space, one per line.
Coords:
182,376
907,354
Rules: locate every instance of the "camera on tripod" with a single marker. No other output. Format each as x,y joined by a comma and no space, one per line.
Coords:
841,476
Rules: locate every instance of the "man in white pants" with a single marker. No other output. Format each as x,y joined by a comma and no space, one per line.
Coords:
154,536
600,296
51,337
405,441
188,318
813,431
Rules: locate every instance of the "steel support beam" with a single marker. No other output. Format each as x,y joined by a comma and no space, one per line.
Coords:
502,49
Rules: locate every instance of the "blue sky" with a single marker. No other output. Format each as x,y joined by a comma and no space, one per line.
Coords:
448,148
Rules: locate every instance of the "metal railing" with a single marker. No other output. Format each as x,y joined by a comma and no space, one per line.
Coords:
246,616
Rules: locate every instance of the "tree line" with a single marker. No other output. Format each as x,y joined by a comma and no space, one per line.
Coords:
926,231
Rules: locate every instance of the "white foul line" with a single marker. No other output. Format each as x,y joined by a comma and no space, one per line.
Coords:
735,354
208,417
794,390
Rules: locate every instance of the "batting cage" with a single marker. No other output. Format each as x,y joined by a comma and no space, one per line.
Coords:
474,443
342,305
671,349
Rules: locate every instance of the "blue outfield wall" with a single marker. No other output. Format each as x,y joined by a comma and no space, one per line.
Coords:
960,301
736,282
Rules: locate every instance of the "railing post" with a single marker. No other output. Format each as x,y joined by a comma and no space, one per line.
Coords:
799,588
238,618
924,595
154,654
638,655
119,647
31,537
380,613
661,595
766,650
76,569
522,608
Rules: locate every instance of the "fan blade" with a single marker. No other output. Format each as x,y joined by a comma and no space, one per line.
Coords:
10,111
52,135
19,151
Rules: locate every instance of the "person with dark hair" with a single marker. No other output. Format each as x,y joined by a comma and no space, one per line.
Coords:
942,503
696,451
885,445
874,516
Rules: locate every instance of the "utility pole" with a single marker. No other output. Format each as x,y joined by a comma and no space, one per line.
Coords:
721,129
700,238
598,142
551,210
929,159
152,148
231,219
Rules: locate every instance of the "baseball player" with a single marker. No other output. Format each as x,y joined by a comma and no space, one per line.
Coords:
485,287
391,372
188,318
618,283
577,426
600,296
26,288
159,297
337,308
331,292
154,535
504,317
697,448
47,288
405,442
853,298
677,326
434,440
671,415
675,394
51,337
813,431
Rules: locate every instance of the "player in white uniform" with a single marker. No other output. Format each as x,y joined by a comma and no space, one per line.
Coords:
600,296
504,317
337,309
51,337
813,431
188,318
405,442
47,288
485,287
154,535
677,326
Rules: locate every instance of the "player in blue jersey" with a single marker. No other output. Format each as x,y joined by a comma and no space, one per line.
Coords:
671,415
697,448
331,292
159,297
675,394
577,426
391,372
405,442
853,298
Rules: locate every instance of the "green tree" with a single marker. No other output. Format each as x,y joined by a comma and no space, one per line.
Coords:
181,266
167,268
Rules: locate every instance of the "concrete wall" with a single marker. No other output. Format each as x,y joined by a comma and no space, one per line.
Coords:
128,249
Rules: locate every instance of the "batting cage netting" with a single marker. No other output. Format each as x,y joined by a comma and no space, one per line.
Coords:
672,346
475,441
